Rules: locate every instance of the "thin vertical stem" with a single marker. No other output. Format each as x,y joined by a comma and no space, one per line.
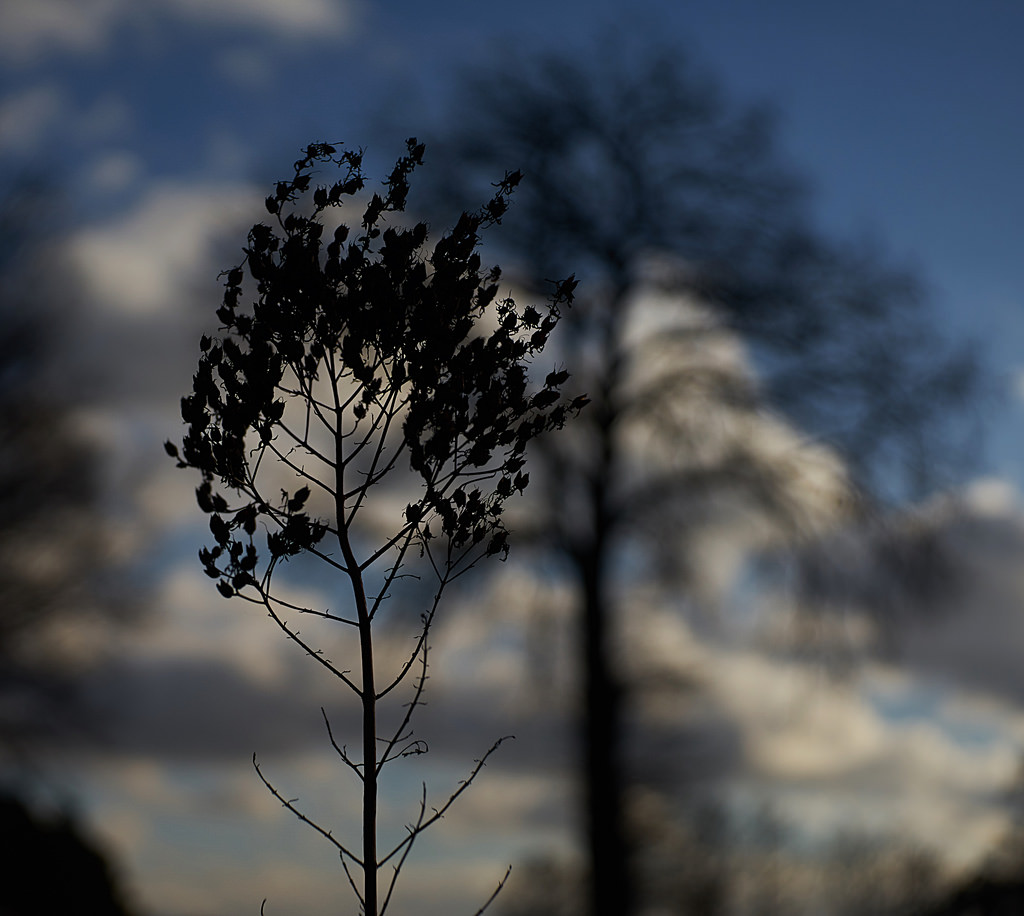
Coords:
367,685
369,752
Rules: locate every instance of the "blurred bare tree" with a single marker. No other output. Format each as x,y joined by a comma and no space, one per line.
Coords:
54,544
709,306
57,580
706,863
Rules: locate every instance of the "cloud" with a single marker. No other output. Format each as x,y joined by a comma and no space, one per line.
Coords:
27,117
826,755
300,18
217,825
42,118
199,710
890,751
114,171
248,67
201,626
155,257
993,497
30,30
971,636
832,752
943,583
213,839
833,748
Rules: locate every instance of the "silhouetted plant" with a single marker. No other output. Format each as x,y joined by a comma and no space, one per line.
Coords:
362,363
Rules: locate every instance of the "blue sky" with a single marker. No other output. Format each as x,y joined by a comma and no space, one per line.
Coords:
161,121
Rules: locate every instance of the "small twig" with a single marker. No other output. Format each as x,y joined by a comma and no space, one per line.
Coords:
351,880
310,651
421,640
497,890
421,684
414,831
326,615
440,812
290,805
342,753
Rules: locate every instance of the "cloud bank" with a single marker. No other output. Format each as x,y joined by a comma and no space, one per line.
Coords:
30,31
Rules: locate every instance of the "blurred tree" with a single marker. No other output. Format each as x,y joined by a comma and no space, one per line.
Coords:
689,234
51,868
983,896
54,542
55,564
996,886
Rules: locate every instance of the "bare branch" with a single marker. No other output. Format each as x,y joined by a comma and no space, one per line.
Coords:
440,812
326,615
342,753
408,532
420,643
351,881
497,890
316,654
410,708
290,805
300,471
303,443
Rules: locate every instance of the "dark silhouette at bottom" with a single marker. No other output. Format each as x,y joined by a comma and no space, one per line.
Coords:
983,896
50,868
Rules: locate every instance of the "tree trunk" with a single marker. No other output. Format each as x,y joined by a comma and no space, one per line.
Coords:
610,885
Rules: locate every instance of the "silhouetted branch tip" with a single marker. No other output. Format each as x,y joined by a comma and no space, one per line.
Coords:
494,895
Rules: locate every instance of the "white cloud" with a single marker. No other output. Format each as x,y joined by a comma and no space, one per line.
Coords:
946,582
155,257
114,171
831,747
30,29
887,751
247,67
827,755
298,17
229,154
162,819
25,118
196,623
43,117
712,420
992,496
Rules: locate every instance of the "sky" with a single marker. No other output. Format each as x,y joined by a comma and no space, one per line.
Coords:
161,122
